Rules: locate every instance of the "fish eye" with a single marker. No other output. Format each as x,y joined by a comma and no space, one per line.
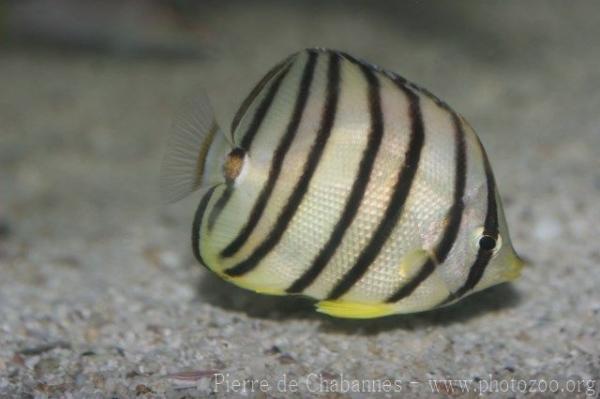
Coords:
487,243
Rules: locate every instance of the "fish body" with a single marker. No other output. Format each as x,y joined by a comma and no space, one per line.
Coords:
345,183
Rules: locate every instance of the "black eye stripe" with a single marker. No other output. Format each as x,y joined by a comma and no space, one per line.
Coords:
487,243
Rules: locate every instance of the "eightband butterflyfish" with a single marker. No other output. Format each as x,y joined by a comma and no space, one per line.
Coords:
346,183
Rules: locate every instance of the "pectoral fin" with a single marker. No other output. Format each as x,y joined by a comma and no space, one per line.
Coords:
412,262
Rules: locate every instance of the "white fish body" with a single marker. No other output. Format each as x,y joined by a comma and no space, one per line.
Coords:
345,183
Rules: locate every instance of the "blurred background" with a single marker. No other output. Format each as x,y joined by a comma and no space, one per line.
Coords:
99,292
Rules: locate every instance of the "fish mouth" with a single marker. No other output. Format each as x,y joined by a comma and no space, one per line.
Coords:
515,266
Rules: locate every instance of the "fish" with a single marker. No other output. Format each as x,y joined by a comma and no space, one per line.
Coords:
346,183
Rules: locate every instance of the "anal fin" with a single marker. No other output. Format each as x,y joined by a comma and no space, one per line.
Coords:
253,285
355,310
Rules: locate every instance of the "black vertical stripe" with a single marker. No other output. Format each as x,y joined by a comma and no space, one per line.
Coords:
490,228
454,217
254,93
275,169
358,189
418,89
219,205
314,156
395,206
262,110
248,138
197,225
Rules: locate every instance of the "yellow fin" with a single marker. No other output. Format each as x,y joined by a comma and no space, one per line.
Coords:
355,310
412,262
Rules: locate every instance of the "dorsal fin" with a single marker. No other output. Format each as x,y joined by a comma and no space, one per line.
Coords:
395,77
194,130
